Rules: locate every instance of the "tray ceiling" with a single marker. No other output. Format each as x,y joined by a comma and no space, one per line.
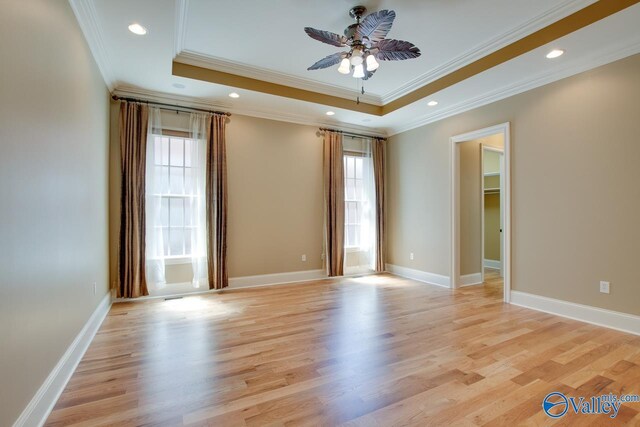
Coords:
265,40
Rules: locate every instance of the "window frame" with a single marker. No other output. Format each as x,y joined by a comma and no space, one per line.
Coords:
184,258
345,154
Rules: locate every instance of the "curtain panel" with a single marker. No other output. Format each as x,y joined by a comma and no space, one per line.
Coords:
198,204
378,156
155,237
216,198
333,170
133,121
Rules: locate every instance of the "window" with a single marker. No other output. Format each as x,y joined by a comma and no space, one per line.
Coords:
353,198
173,172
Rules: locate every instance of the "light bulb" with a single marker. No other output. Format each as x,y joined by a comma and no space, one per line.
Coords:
372,64
138,29
555,53
345,66
358,71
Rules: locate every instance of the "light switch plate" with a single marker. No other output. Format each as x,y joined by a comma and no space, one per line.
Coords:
604,287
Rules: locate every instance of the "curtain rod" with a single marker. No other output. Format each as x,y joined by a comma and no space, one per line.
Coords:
359,135
172,106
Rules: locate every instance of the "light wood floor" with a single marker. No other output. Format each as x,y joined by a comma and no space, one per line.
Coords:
371,351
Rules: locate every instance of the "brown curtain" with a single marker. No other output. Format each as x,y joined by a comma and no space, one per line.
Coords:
377,154
333,166
216,188
134,119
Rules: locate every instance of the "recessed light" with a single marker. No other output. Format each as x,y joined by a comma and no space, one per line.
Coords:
138,29
178,85
432,103
330,113
234,95
555,53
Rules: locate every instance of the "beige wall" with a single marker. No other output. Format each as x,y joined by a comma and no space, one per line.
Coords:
574,147
492,226
275,196
470,171
53,191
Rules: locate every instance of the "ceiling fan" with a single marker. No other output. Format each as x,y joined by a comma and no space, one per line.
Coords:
366,42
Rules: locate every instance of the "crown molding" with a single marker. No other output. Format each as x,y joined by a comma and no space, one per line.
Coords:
129,91
182,6
594,60
86,16
483,49
239,69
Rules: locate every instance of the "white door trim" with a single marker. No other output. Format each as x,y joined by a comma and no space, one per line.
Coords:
505,130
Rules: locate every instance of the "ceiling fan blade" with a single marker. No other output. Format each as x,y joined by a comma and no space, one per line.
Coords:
396,50
328,61
326,37
375,26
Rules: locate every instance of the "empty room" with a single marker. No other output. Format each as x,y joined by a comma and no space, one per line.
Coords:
319,213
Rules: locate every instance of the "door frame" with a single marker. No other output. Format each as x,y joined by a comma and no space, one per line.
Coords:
505,130
500,151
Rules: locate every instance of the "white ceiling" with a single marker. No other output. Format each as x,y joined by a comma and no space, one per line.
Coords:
265,40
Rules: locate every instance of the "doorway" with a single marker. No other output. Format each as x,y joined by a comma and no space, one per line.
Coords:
492,204
468,206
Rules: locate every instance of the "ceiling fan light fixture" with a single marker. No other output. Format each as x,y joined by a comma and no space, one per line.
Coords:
358,71
372,64
345,66
364,44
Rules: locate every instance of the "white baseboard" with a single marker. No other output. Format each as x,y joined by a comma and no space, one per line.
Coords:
421,276
471,279
276,279
598,316
37,411
492,263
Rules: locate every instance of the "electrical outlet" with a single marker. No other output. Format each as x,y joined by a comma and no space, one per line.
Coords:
604,287
95,288
304,257
411,256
